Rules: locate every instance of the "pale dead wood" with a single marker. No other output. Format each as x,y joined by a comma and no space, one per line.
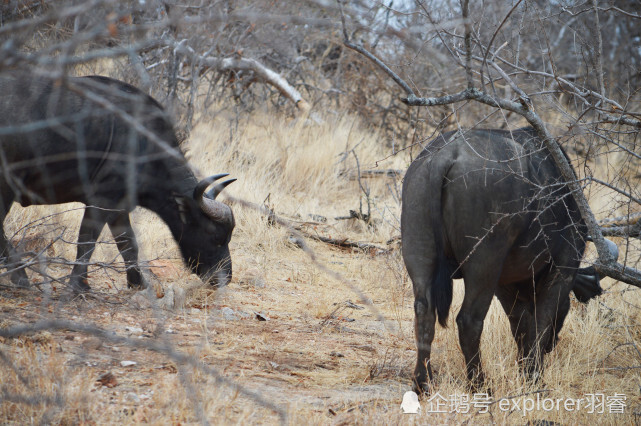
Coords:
374,173
631,219
261,72
622,226
346,243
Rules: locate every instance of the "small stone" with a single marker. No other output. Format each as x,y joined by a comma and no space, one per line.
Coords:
128,363
141,300
92,343
410,404
258,282
261,317
108,380
229,314
132,397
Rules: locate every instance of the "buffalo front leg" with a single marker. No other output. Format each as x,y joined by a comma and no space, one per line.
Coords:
123,232
549,314
563,308
12,259
93,221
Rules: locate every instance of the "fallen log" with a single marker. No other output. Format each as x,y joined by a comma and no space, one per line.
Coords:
622,226
373,173
345,243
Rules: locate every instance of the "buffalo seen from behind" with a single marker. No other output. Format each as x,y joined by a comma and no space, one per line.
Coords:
106,144
491,207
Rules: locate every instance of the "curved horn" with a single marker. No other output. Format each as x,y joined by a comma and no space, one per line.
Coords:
207,201
199,190
213,193
216,210
612,247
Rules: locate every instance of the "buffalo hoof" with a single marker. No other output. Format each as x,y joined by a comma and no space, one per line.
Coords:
481,388
21,281
79,285
136,279
422,386
141,285
219,280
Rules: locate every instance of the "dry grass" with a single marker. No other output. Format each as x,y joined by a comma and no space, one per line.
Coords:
318,357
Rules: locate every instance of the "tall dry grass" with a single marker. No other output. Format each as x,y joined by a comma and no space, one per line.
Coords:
322,361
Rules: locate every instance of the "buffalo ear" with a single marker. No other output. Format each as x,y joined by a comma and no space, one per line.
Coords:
586,285
183,208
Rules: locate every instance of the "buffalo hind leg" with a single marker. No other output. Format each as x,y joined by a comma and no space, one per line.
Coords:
480,286
123,232
521,323
424,322
420,268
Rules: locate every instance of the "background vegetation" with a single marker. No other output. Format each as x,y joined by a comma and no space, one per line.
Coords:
311,332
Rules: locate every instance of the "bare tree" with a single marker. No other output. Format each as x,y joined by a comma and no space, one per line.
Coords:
500,73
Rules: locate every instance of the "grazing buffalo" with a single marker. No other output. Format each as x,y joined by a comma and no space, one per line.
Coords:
491,207
108,145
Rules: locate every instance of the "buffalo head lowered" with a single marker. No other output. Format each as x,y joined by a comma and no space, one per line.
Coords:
106,144
208,225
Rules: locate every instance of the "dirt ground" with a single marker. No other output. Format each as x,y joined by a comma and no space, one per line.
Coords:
266,352
270,338
317,337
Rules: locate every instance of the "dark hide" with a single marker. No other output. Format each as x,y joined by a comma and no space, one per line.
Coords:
490,206
106,144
